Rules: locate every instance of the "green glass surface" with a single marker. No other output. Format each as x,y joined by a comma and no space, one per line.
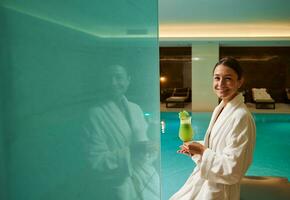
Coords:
80,100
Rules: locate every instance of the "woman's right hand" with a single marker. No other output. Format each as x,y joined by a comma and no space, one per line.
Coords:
192,148
184,150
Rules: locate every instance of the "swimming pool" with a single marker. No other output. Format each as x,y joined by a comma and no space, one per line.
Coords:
271,157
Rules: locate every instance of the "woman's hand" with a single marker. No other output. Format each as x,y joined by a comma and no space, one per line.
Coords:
184,150
192,148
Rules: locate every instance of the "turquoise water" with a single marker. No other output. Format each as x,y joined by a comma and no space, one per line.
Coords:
271,157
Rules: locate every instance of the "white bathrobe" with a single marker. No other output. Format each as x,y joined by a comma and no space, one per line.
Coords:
230,141
114,132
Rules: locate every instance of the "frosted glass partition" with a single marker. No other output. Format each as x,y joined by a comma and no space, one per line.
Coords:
80,96
3,136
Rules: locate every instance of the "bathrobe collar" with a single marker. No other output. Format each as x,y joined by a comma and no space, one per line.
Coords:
218,120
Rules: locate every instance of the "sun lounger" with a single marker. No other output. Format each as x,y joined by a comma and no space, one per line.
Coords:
287,90
178,98
263,99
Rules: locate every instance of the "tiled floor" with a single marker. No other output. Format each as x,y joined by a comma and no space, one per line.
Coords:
280,108
163,108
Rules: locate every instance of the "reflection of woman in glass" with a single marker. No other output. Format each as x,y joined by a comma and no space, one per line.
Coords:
229,142
119,151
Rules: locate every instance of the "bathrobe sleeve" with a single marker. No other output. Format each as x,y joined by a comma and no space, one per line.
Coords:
230,165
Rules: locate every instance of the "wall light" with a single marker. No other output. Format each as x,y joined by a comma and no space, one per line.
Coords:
162,79
195,58
225,30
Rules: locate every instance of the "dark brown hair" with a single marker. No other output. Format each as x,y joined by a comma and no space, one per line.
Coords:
232,63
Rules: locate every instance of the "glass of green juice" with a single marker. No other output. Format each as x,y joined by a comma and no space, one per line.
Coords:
185,129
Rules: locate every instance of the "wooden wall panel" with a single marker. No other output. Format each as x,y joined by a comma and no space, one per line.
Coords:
173,61
264,67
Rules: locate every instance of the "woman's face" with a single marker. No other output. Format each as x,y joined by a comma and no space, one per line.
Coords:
226,82
119,81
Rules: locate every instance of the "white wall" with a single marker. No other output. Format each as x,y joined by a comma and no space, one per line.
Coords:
203,97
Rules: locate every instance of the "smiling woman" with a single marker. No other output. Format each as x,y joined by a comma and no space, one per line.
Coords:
227,151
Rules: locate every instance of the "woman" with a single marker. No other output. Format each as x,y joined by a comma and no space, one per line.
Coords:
120,154
229,142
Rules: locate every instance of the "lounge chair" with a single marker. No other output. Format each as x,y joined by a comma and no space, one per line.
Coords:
178,98
287,90
263,99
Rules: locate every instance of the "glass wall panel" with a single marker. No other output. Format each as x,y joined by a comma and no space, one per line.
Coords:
80,95
3,147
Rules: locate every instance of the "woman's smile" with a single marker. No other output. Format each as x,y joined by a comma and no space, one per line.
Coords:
224,90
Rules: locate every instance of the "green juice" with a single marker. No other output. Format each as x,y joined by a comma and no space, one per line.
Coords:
185,132
185,129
